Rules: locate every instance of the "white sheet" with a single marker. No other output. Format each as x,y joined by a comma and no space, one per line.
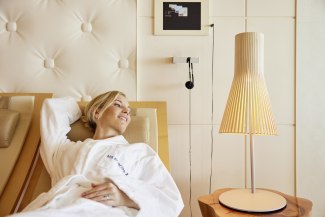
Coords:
134,168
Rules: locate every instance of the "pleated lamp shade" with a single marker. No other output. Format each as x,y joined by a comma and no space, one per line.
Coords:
248,109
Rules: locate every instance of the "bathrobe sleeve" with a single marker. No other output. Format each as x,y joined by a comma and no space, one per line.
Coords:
154,190
56,116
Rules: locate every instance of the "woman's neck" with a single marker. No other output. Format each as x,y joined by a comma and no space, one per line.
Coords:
104,134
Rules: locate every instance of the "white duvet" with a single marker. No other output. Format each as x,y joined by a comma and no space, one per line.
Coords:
73,166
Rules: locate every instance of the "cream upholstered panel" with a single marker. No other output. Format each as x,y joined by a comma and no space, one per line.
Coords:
8,156
76,48
151,114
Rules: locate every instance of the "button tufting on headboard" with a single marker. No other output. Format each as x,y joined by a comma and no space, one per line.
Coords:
124,64
49,63
86,98
11,27
86,27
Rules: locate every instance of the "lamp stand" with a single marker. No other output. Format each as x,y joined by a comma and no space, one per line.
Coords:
252,200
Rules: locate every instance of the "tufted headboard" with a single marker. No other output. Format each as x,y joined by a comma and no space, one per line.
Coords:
76,48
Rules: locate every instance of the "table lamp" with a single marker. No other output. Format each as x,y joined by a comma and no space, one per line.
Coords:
248,112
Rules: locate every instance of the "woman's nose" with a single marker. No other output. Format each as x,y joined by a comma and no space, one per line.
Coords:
125,110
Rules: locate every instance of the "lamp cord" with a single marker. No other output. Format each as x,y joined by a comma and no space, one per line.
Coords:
190,125
189,68
212,108
192,73
190,148
191,80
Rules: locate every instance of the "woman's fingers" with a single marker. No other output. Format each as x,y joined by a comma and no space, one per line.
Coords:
109,194
102,198
98,195
98,190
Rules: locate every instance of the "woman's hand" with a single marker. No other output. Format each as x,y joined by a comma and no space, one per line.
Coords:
109,194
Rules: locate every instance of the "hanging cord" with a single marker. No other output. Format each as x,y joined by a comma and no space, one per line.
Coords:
189,68
192,73
212,114
191,78
190,83
190,148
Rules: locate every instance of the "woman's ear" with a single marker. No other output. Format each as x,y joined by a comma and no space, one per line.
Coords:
96,116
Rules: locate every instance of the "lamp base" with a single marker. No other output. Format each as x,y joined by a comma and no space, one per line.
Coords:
245,200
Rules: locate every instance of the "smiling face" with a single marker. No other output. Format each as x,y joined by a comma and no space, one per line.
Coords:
115,119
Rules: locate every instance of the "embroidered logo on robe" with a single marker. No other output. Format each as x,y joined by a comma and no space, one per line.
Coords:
118,163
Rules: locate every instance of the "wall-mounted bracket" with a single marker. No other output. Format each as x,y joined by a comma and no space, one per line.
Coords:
184,59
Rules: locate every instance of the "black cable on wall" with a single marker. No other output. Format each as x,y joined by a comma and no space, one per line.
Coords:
212,108
190,148
191,80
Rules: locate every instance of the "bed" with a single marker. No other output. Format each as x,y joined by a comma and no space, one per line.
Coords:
29,178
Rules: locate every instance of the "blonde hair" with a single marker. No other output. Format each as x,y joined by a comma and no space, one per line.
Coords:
98,105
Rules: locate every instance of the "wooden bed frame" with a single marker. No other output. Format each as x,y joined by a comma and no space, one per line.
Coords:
18,178
30,178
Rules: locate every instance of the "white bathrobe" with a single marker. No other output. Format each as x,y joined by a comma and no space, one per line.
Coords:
73,166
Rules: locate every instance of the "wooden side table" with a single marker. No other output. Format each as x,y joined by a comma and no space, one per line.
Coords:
296,207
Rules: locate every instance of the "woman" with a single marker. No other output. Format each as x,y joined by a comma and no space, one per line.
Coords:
103,175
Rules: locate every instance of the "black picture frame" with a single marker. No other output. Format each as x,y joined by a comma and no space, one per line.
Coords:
181,17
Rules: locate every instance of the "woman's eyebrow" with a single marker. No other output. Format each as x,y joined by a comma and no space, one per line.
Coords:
122,103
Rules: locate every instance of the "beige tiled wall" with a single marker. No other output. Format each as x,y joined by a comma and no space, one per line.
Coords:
230,8
311,103
271,8
160,79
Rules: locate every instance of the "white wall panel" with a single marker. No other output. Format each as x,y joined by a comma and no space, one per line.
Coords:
311,103
178,136
201,163
279,58
273,8
310,11
228,160
145,8
275,160
227,8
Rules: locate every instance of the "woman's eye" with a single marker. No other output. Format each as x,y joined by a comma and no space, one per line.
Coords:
118,105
